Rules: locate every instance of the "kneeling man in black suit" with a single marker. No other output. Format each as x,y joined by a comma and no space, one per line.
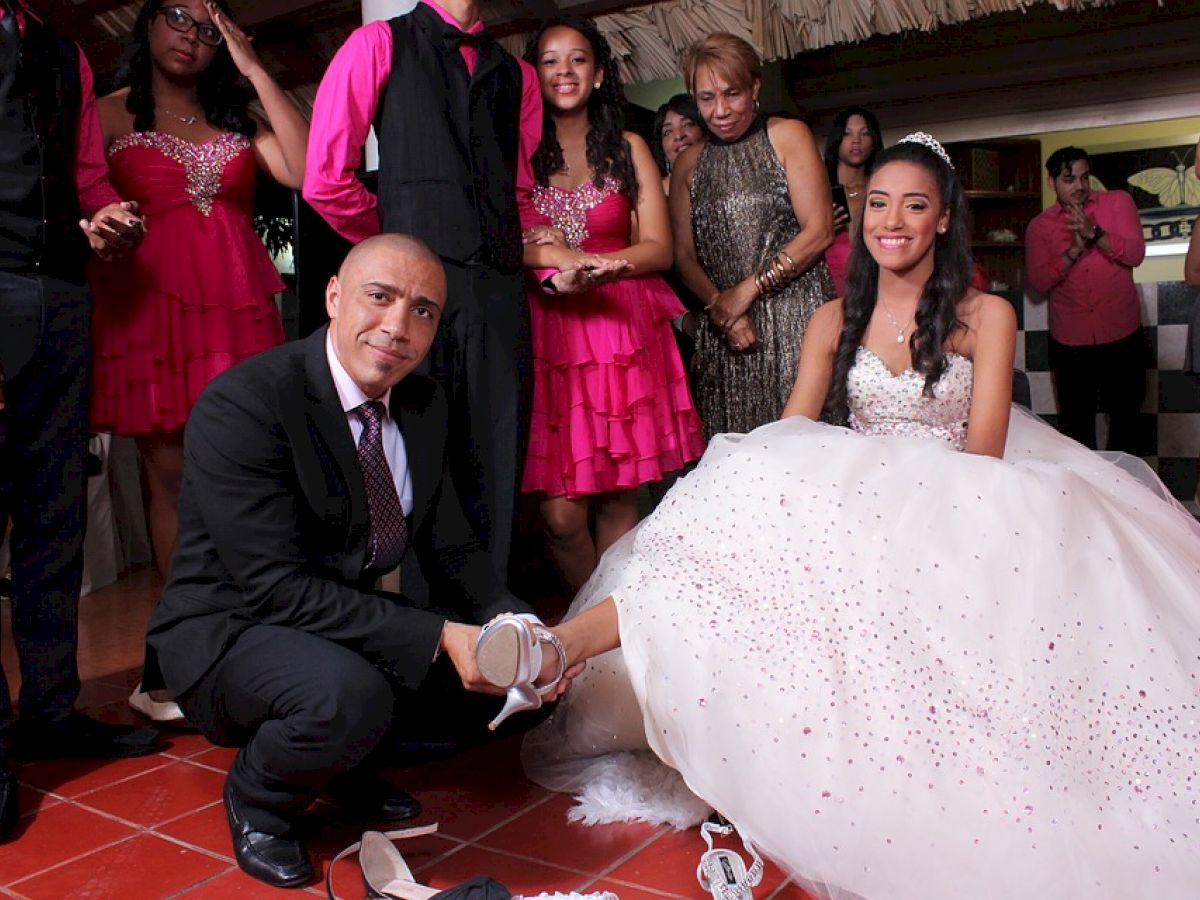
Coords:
310,471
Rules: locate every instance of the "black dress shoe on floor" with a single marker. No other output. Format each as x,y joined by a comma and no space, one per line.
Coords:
373,799
8,804
79,737
278,861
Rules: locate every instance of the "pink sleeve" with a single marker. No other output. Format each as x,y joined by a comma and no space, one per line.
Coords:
91,169
343,112
1044,264
1128,246
530,134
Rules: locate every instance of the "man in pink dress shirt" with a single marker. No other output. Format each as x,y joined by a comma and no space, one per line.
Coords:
1081,253
457,120
52,170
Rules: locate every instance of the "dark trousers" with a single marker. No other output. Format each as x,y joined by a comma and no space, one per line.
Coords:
482,357
305,711
1096,378
45,355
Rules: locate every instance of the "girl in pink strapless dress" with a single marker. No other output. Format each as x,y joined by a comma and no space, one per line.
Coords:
198,294
611,408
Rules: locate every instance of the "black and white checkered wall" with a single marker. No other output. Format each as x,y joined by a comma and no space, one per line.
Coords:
1171,412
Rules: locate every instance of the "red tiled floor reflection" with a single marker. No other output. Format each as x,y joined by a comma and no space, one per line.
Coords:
155,827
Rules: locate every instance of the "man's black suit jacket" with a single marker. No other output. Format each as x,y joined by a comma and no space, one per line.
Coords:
273,526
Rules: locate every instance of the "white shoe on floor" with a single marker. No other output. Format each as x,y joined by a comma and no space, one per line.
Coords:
164,712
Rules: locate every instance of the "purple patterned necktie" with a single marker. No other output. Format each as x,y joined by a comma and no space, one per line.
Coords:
388,533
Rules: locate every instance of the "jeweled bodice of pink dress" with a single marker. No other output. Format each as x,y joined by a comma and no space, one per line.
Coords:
593,219
169,171
883,403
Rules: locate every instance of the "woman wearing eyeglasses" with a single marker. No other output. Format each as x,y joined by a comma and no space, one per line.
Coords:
199,294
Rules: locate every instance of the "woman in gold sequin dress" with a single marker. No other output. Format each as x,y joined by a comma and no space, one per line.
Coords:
198,295
751,217
943,653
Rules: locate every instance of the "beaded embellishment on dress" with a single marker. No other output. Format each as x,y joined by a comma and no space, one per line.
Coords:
882,402
567,210
203,163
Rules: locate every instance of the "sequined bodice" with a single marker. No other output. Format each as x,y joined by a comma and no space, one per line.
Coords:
176,171
883,403
594,219
741,209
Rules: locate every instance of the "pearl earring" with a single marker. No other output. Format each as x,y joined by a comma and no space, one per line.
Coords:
596,85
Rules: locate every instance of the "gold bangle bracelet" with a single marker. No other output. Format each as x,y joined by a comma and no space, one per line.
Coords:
791,262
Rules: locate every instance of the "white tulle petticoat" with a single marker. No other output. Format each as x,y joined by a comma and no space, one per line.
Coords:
905,671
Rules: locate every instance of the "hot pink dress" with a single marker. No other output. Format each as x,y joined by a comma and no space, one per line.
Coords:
198,294
611,405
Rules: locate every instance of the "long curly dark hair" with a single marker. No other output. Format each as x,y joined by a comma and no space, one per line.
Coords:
833,140
937,310
218,89
608,152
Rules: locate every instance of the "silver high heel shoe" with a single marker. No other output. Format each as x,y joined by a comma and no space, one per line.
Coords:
722,872
509,655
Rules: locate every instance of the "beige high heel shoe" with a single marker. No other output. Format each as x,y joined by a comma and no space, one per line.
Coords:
385,874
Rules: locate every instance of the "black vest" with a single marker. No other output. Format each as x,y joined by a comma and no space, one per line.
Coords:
448,144
39,116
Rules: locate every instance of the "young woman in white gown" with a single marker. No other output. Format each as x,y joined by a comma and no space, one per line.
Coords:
943,652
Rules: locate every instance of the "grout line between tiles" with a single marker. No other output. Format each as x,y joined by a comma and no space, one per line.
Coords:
63,862
494,828
64,797
620,861
191,887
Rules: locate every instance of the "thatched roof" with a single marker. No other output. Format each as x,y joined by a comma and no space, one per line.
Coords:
650,37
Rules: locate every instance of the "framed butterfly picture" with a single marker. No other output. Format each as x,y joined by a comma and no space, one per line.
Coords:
1162,181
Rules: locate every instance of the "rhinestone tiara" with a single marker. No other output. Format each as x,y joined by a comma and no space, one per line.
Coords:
927,140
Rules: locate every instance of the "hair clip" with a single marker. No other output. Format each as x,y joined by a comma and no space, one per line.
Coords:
927,140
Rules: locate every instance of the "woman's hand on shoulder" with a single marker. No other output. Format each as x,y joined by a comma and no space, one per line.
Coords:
237,41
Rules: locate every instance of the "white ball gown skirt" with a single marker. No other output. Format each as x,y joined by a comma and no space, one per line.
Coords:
906,671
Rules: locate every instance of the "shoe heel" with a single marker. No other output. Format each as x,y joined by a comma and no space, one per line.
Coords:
519,698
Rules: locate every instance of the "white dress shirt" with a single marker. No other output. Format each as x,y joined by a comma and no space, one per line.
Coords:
394,450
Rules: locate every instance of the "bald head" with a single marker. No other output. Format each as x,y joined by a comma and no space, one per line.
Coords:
389,243
384,306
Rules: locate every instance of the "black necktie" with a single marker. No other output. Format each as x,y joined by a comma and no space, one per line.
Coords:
388,532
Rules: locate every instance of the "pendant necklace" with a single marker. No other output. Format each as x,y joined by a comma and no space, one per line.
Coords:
186,120
899,329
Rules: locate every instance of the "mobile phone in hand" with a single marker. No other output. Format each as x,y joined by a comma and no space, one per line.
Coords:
839,197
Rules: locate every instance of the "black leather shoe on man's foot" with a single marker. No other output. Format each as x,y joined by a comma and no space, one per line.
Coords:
274,860
8,804
373,799
77,736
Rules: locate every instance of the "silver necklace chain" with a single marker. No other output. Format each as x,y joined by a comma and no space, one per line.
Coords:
899,329
186,120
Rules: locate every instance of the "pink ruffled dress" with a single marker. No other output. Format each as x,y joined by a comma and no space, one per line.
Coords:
611,404
198,294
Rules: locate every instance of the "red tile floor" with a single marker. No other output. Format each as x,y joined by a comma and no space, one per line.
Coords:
154,827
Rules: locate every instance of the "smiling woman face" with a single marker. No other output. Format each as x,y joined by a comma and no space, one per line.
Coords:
903,215
678,133
181,53
566,69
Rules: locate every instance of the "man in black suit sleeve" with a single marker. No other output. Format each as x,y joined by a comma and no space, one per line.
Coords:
270,632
